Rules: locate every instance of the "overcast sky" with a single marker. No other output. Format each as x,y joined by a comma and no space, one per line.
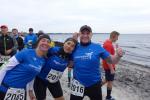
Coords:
125,16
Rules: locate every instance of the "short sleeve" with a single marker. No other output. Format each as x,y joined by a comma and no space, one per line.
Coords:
21,55
103,53
52,51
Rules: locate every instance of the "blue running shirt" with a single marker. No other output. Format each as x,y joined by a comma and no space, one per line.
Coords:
29,65
87,63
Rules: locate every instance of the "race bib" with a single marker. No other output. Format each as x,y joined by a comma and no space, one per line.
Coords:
4,59
54,75
77,89
15,94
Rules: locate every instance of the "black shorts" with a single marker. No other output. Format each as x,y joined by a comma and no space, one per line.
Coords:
40,87
94,92
109,76
2,95
1,64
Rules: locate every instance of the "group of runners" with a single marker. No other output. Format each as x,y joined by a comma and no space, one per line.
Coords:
41,66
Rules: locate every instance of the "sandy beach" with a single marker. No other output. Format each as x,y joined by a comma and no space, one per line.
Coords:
132,82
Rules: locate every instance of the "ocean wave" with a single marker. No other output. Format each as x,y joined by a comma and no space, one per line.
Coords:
139,56
147,47
129,46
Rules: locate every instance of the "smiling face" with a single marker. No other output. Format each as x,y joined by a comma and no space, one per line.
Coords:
69,46
43,44
85,36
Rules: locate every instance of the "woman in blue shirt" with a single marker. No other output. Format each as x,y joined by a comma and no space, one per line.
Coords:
21,69
58,60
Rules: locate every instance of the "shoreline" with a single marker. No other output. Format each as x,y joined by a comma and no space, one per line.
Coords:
134,78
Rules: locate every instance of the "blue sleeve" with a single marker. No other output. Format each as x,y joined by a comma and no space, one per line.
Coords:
103,53
21,55
52,51
49,52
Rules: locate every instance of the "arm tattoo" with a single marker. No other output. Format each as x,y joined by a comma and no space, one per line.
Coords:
109,60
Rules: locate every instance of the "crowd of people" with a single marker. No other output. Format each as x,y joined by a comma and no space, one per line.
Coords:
32,60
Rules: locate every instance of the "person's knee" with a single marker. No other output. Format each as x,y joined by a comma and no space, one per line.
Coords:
103,82
109,84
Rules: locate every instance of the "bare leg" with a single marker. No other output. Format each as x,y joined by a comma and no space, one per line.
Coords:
60,98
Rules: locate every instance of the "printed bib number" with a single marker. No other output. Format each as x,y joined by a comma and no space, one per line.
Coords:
54,75
15,94
77,89
4,59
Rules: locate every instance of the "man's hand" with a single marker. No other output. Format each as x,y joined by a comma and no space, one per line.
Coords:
75,35
120,52
112,71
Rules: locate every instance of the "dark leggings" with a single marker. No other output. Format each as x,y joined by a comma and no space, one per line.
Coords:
69,79
93,92
1,64
40,87
2,95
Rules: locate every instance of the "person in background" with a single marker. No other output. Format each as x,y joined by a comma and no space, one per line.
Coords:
21,34
69,76
21,69
109,68
20,44
0,33
40,33
6,45
86,62
30,39
15,42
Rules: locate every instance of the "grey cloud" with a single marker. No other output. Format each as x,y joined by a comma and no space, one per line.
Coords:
69,15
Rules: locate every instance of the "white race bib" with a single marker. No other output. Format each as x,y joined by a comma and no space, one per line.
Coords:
15,94
4,59
54,75
77,89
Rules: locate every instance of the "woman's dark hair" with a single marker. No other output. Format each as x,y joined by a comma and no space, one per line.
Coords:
71,39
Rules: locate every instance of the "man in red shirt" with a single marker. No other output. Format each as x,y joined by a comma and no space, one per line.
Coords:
110,68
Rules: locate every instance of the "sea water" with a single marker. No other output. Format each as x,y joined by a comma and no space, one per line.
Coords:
136,46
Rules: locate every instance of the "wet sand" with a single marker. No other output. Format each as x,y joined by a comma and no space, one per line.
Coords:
134,79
